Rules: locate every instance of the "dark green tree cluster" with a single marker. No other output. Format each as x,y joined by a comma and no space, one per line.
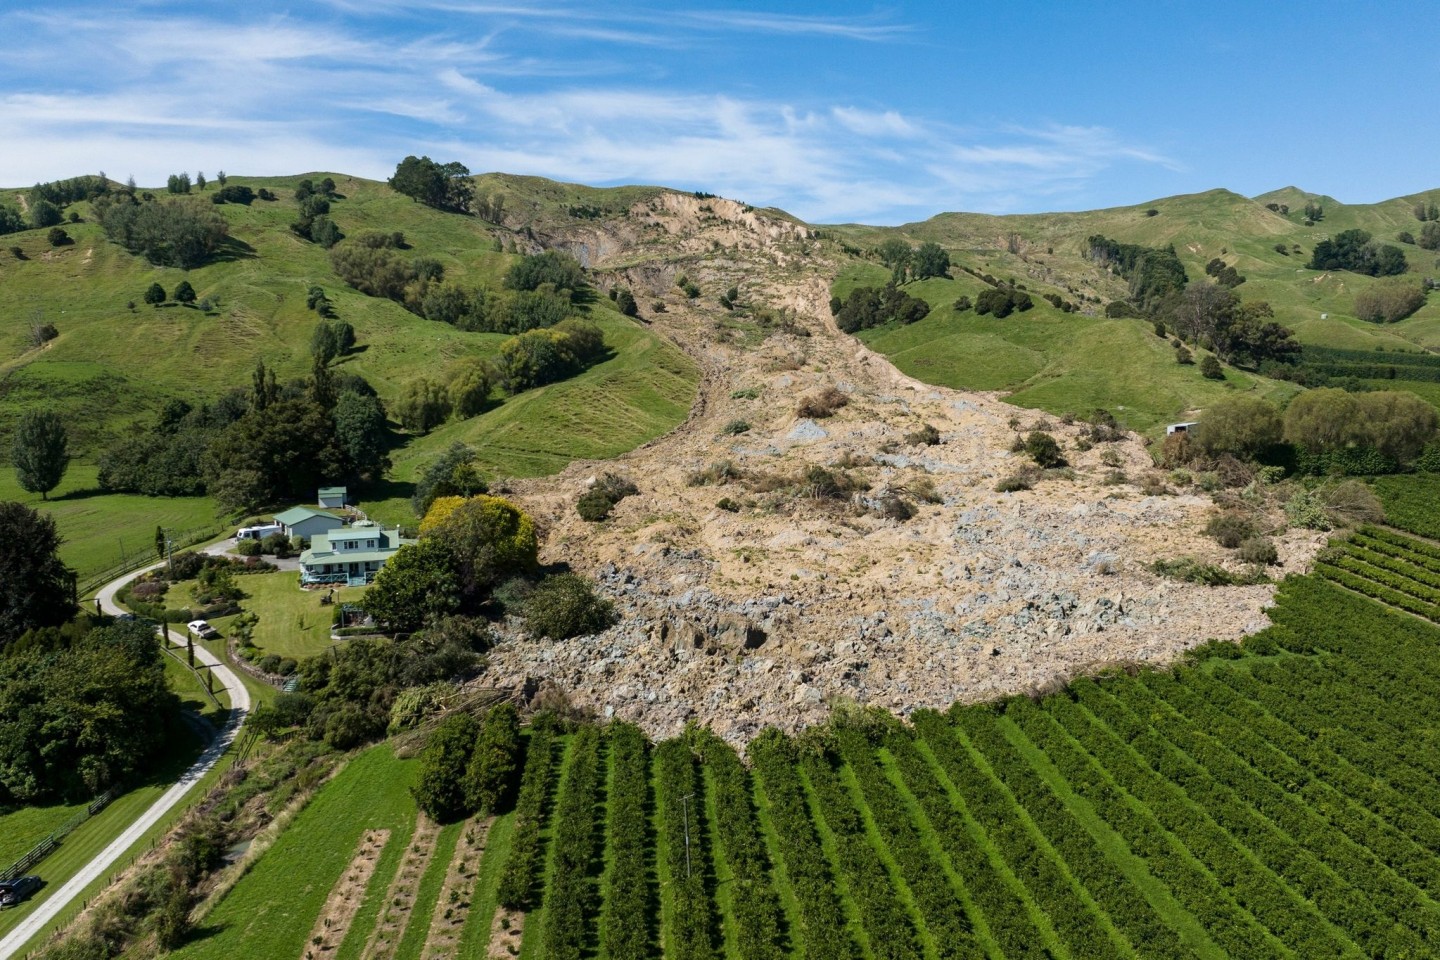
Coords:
233,193
253,448
894,253
1314,211
452,474
379,271
290,441
44,214
178,183
1154,273
868,307
62,193
314,222
332,338
625,301
1427,211
167,233
76,722
1353,250
560,270
541,290
36,589
1000,302
459,560
930,260
315,299
913,263
1241,333
528,360
1060,303
444,186
1429,238
1225,274
40,451
164,458
11,220
537,357
423,406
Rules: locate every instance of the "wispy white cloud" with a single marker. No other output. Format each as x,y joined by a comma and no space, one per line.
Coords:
621,23
870,29
869,123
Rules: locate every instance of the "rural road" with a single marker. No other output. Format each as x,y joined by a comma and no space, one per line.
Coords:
46,911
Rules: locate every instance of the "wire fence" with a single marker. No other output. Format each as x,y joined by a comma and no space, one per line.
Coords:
142,559
44,848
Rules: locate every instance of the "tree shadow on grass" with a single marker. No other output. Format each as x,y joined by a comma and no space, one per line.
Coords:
85,493
388,489
232,249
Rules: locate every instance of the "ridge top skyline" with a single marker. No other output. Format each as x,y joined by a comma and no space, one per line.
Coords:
834,112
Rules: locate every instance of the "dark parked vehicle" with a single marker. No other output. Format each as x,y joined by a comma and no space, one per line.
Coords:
13,892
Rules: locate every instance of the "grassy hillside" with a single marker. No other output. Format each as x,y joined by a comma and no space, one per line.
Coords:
1045,358
1061,362
114,364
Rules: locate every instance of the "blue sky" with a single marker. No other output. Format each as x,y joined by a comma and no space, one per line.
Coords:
836,111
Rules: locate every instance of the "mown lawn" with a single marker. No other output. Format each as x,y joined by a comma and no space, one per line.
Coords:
293,622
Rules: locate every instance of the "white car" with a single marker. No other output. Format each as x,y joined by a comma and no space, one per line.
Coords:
202,629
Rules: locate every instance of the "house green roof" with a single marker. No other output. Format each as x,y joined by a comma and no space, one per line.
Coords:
332,491
296,514
311,557
321,551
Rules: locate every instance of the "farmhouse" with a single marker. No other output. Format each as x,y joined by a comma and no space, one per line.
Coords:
351,556
306,522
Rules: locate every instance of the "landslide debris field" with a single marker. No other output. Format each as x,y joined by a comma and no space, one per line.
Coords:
762,570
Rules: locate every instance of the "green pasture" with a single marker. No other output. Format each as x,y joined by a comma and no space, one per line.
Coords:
99,529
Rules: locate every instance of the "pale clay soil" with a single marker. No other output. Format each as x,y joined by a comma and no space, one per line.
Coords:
773,614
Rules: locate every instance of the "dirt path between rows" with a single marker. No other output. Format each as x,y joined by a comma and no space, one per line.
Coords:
399,903
506,932
345,898
447,922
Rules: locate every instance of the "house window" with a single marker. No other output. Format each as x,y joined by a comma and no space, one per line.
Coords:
371,544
